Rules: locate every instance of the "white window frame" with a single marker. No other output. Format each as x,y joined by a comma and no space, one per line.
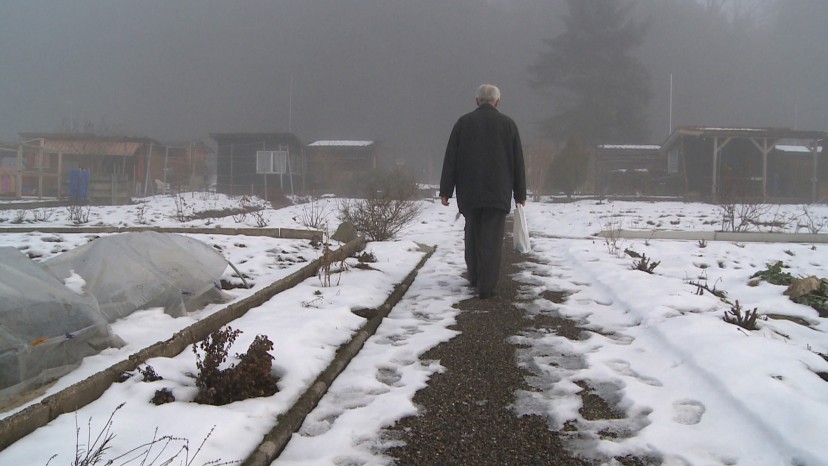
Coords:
272,162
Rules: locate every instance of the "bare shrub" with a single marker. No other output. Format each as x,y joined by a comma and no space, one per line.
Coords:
261,219
380,219
611,230
741,217
79,214
95,450
19,216
387,209
810,221
314,215
140,213
183,209
42,215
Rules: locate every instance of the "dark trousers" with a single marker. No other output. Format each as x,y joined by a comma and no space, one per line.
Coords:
484,245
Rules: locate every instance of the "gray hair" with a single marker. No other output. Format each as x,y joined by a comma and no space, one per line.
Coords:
487,93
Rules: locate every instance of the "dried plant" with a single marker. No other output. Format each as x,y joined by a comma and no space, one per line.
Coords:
734,316
95,450
261,219
740,217
810,221
140,212
183,209
19,216
388,206
314,215
79,214
381,219
702,287
611,229
251,377
644,264
42,215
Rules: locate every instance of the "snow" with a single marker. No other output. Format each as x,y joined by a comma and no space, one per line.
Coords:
341,143
797,149
693,389
631,146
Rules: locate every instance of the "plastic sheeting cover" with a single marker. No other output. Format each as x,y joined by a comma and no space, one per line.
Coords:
46,329
132,271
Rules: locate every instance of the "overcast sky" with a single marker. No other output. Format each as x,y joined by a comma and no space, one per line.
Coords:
396,71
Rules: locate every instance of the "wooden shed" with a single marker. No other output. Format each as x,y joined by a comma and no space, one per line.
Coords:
337,166
741,164
118,166
264,164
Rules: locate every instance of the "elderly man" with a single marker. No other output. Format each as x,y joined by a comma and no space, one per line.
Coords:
484,162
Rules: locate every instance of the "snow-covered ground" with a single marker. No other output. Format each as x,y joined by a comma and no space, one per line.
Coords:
693,388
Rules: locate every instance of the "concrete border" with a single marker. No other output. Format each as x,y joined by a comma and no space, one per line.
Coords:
26,421
286,233
275,441
740,237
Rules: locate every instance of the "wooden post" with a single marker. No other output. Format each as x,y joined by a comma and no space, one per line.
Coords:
60,176
814,147
147,168
18,188
40,170
715,174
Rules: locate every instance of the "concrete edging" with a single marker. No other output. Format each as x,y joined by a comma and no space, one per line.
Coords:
26,421
284,233
741,237
288,423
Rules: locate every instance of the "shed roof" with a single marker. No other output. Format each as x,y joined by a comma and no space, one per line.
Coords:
745,133
86,144
242,138
630,147
796,149
340,143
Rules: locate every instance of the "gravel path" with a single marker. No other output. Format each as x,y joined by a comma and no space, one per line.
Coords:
465,413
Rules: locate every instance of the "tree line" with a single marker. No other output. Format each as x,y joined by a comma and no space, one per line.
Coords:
745,63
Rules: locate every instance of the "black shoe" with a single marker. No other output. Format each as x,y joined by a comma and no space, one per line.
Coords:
487,295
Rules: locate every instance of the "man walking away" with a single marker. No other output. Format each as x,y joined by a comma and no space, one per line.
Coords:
484,162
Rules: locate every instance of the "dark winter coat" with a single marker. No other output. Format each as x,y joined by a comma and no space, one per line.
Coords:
484,161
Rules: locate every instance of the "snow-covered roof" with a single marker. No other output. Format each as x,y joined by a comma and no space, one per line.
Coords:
734,129
795,148
631,146
341,143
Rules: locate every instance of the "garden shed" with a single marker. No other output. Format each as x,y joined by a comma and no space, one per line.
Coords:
118,166
337,166
264,164
756,164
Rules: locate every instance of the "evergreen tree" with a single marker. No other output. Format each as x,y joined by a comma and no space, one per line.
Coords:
598,88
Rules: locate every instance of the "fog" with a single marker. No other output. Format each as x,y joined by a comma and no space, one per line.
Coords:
396,71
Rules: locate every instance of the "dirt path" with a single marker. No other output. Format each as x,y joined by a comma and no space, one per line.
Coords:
466,412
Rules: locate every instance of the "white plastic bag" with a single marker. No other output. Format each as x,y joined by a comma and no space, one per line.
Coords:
521,232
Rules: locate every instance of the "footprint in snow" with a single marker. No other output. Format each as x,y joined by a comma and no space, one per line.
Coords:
688,412
624,368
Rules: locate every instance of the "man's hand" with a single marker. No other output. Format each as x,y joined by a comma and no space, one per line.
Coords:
444,201
523,202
